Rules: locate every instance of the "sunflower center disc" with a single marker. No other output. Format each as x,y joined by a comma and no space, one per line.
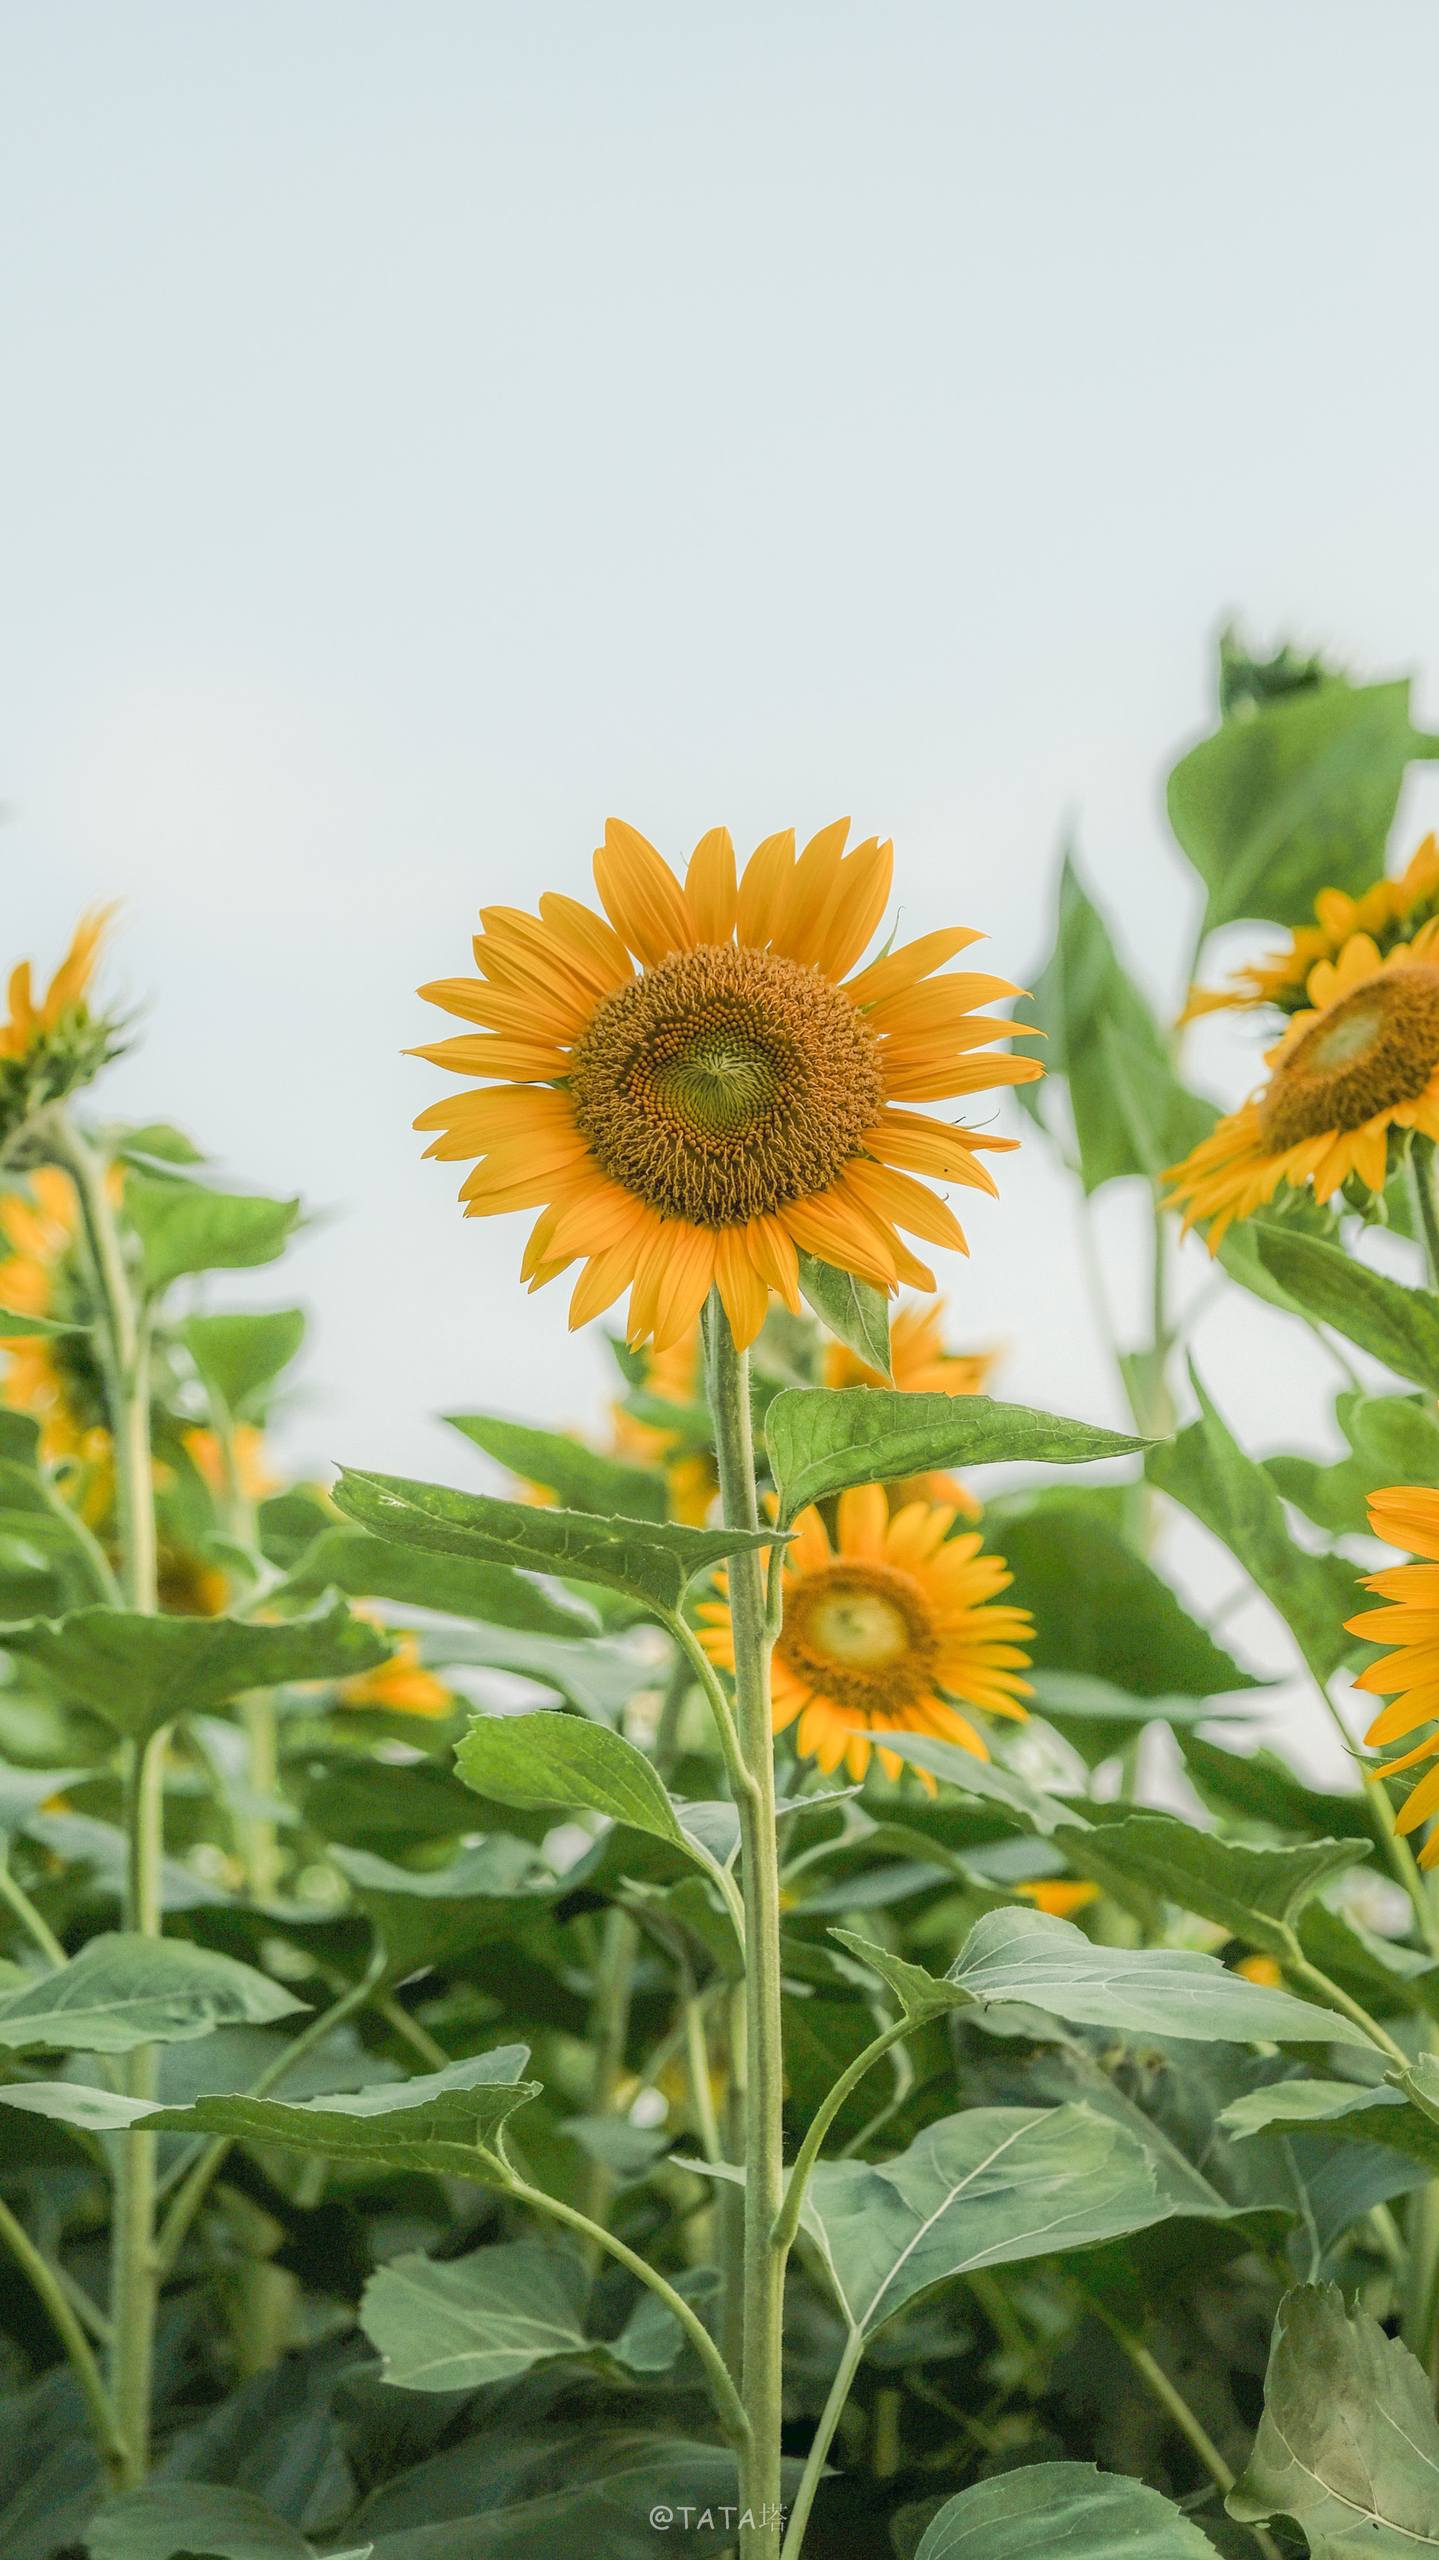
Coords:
1371,1051
861,1634
725,1083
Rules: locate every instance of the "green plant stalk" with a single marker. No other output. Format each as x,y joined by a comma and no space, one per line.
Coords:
729,2408
47,2285
260,1841
609,2025
1300,1970
31,1921
824,2436
754,1634
1177,2409
123,1341
787,2220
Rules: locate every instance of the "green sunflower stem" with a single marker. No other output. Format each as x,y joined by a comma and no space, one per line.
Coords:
1426,1202
122,1339
761,2361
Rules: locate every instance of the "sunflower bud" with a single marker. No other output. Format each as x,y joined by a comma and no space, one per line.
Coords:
52,1044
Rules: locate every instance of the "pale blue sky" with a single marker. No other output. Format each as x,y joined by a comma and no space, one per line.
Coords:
430,427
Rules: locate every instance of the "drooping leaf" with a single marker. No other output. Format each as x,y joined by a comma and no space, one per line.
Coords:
598,1675
1064,2511
1294,795
121,1991
1042,1963
856,1314
1346,2110
1032,1809
455,2324
1100,1608
140,1672
1206,1470
1348,2444
240,1356
375,1568
989,2188
581,2492
430,1915
1254,1893
554,1759
822,1439
582,1478
183,1226
438,2121
1261,1787
1395,1324
651,1560
178,2519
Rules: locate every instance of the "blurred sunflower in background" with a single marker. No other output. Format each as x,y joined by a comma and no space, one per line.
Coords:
1406,1516
55,1377
51,1043
1360,1061
885,1627
674,1376
401,1685
736,1098
919,1364
1389,911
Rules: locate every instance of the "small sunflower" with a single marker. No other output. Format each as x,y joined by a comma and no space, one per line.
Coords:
1407,1516
1059,1897
919,1365
401,1685
1389,911
1360,1060
53,1377
883,1630
254,1478
735,1099
672,1376
51,1043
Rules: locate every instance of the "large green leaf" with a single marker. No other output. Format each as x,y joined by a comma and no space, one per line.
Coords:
1100,1609
121,1991
1130,1112
454,2324
1348,2444
652,1560
440,2121
1062,2511
988,2188
1397,1325
184,1227
1254,1893
555,1759
1042,1963
455,1586
822,1439
584,2491
1294,795
240,1356
582,1478
428,1916
1263,1788
1206,1470
176,2519
856,1314
140,1673
1345,2110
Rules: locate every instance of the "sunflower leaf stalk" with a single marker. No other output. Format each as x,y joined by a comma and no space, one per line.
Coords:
763,2265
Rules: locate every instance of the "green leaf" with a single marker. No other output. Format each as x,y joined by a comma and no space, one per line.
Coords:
1131,1114
578,1476
140,1673
555,1759
1395,1324
240,1356
1066,2511
1100,1609
1206,1470
653,1560
599,1675
1346,2110
1254,1893
438,2121
1295,795
1348,2444
374,1568
821,1439
455,2324
174,2520
184,1227
428,1916
1031,1808
1026,1957
15,1327
1262,1788
992,2187
856,1314
122,1991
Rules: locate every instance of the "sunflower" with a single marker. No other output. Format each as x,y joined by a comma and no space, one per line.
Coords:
733,1100
919,1365
1059,1897
883,1629
672,1376
400,1684
1360,1060
53,1377
52,1042
1407,1516
1388,911
206,1452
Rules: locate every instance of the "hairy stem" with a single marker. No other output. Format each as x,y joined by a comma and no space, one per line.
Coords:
788,2219
764,2063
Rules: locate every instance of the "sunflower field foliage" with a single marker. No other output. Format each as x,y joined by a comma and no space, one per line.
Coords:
773,1976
